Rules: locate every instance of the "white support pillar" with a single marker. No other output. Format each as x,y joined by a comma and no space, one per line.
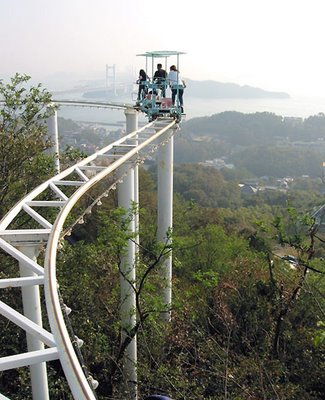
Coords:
52,128
127,282
131,120
132,124
127,195
32,310
165,214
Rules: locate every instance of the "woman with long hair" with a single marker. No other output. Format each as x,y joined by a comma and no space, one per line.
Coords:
143,90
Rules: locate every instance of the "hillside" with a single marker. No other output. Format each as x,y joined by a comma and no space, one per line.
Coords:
246,324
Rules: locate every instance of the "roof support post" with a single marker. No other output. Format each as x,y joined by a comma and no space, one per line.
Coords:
165,215
32,310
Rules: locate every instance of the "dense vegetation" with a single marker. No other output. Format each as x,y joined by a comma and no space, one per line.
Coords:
259,144
23,139
245,324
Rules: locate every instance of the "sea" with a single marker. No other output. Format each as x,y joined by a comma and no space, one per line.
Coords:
295,106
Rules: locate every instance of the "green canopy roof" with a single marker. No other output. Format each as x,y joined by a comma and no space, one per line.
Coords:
161,53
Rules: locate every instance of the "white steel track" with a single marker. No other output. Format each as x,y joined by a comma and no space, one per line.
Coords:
133,148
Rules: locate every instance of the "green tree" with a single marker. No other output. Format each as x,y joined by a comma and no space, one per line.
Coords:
205,186
24,164
23,138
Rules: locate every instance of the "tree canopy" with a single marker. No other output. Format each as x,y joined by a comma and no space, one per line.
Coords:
23,138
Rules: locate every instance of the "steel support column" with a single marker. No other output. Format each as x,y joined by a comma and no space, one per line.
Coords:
132,124
165,214
52,128
127,193
32,310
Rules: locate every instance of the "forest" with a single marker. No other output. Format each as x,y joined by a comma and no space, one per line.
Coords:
246,324
257,144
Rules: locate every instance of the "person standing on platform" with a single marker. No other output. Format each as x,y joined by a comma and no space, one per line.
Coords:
177,85
143,90
159,78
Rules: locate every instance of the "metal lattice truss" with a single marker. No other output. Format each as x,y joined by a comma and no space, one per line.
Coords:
76,181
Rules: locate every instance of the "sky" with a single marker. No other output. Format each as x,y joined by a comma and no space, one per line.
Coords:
277,45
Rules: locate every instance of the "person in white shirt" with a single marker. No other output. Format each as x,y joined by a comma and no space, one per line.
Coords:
177,85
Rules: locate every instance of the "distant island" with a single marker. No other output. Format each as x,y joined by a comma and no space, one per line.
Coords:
212,90
203,89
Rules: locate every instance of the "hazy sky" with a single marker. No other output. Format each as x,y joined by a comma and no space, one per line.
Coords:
273,44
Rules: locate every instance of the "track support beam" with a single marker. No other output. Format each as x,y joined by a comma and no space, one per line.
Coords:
32,310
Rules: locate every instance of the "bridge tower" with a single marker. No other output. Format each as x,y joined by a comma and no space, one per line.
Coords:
111,78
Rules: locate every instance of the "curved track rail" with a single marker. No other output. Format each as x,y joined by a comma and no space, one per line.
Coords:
110,105
133,148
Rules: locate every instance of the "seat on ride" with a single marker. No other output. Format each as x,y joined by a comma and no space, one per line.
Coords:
166,102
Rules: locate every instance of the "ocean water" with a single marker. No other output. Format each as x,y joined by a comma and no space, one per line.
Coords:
195,107
84,114
293,107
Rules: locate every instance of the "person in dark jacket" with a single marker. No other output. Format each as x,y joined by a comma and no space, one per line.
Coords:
160,77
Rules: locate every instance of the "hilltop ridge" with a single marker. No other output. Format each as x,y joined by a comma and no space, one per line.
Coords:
214,89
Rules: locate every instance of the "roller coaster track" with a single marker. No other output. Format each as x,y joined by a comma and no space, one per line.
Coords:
64,190
108,105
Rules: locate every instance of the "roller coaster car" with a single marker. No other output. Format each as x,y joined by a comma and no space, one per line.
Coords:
152,103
